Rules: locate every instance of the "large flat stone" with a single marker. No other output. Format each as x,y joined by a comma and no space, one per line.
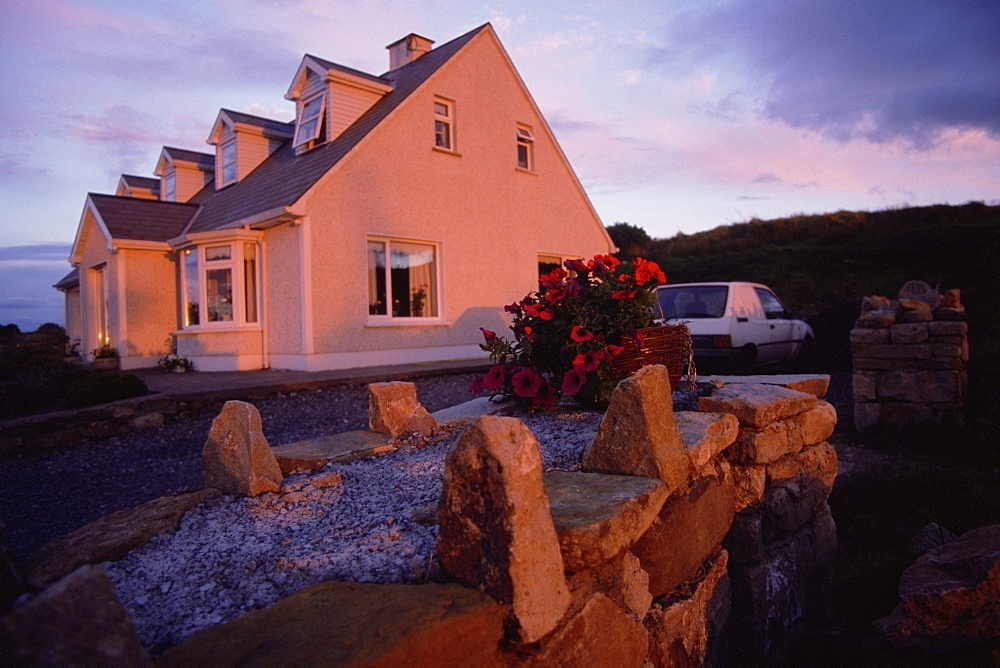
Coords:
352,624
111,537
470,410
314,453
816,384
597,516
757,405
705,435
601,634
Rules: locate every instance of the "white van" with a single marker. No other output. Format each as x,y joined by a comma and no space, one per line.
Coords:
742,324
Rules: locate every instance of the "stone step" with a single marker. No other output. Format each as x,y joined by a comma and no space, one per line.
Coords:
705,435
314,453
597,515
811,383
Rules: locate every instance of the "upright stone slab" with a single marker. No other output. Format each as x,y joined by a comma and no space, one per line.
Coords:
237,459
76,622
637,435
393,409
496,529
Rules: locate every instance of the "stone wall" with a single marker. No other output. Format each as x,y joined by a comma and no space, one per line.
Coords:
909,362
690,538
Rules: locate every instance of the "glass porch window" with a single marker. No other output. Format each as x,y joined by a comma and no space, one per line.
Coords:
250,281
191,288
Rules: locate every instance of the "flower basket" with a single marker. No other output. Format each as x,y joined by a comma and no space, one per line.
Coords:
669,345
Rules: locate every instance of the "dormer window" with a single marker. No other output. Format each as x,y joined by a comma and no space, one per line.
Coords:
227,163
170,187
310,121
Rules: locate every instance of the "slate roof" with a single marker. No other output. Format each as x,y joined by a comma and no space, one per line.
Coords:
205,161
145,219
70,280
284,177
145,182
276,127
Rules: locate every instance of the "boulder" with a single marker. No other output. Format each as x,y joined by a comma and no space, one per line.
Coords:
601,634
597,516
950,597
683,631
75,622
496,529
354,624
111,537
237,459
314,453
393,409
687,533
637,435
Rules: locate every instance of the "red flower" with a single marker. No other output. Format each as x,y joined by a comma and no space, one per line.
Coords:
538,311
529,333
646,271
526,383
579,334
623,294
614,350
477,385
573,381
606,262
551,279
588,361
491,337
546,395
512,308
495,377
576,265
555,294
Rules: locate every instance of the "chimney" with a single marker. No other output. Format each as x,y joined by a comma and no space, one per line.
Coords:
407,50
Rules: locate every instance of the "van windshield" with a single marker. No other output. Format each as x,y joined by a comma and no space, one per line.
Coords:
690,302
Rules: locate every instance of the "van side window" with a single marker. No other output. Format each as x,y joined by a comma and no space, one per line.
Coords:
773,308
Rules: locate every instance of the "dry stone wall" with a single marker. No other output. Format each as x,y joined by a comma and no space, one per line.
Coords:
909,361
691,538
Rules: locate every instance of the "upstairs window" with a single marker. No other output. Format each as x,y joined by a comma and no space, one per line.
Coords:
227,163
310,121
525,148
444,124
170,187
402,279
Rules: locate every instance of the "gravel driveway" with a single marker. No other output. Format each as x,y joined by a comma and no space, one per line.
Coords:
46,496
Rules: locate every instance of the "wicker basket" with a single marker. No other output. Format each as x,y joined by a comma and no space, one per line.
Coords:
669,345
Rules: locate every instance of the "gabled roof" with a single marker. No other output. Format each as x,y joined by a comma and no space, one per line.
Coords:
145,182
332,71
141,219
284,177
203,161
267,126
69,281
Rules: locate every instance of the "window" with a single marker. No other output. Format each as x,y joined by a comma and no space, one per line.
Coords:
546,263
525,150
444,120
170,187
227,163
402,279
310,121
773,308
215,288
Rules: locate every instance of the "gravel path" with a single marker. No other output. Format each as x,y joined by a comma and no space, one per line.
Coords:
48,495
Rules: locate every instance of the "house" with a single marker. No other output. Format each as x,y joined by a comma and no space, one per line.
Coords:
394,217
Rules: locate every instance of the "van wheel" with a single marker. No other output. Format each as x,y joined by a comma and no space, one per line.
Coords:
746,361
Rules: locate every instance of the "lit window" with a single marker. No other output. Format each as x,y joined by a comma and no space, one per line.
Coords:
310,121
215,290
170,187
228,163
444,119
402,279
547,263
525,150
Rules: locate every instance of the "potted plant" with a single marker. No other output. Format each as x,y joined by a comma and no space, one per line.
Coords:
570,334
175,363
105,357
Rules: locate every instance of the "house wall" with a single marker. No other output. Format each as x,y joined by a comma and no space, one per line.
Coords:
282,295
149,280
189,181
93,253
72,305
490,219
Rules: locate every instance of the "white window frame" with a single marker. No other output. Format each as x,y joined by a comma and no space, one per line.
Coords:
170,185
225,163
444,116
236,264
388,318
525,140
303,138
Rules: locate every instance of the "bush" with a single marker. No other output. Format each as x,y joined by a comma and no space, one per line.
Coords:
25,396
101,388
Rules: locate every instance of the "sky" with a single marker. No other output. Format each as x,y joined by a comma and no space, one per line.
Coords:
677,115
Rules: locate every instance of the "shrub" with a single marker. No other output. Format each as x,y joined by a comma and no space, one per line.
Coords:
101,388
25,396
